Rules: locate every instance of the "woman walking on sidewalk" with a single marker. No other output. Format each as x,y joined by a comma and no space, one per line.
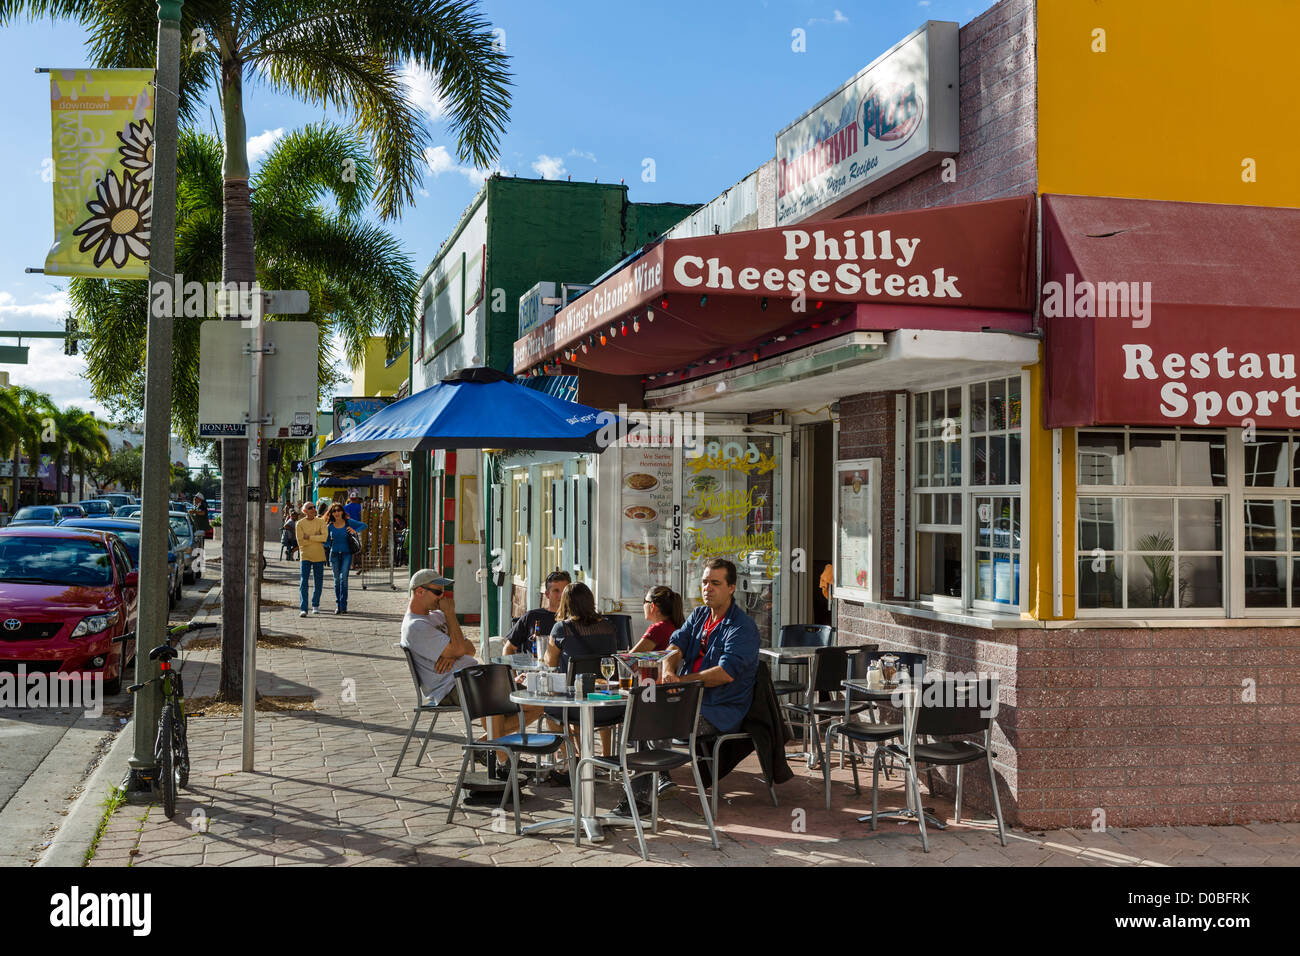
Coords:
340,530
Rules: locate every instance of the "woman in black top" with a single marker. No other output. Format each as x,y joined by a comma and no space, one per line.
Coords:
579,631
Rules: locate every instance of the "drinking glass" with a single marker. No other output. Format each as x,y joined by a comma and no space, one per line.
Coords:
607,668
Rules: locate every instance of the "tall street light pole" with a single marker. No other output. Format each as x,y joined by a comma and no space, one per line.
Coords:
151,621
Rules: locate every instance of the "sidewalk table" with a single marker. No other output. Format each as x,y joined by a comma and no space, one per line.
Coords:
586,809
860,689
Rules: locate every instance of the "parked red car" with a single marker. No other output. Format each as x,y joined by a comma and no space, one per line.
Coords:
68,602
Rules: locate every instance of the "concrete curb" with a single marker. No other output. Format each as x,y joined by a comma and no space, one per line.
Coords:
70,843
73,839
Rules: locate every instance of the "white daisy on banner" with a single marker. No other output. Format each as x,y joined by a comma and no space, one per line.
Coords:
137,150
120,222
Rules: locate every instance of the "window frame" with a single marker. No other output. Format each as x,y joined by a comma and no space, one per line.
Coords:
1234,493
967,492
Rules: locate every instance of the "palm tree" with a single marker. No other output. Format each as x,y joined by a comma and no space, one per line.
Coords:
87,444
26,412
347,57
11,433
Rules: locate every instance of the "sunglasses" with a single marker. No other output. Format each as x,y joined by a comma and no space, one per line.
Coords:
433,591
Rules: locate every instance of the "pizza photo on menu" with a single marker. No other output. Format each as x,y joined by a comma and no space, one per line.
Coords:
640,481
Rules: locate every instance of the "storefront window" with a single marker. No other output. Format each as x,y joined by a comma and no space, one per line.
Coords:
1272,511
966,455
552,535
1152,537
519,548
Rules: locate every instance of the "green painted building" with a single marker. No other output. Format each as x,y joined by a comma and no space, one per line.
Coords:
516,233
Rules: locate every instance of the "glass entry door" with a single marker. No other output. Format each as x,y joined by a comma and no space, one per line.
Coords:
730,503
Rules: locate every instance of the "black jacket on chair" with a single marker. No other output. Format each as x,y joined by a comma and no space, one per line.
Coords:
765,725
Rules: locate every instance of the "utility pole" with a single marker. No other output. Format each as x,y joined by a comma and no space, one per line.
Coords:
151,621
253,568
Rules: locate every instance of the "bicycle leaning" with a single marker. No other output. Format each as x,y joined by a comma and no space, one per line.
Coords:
171,748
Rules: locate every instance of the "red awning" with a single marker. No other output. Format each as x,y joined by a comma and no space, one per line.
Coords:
1169,313
687,300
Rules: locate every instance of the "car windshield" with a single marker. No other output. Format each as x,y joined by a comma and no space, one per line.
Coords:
181,526
35,514
71,511
97,507
54,561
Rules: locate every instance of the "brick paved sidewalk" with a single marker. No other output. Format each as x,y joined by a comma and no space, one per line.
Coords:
321,793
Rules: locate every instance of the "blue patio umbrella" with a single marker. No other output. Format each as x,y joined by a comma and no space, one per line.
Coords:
477,408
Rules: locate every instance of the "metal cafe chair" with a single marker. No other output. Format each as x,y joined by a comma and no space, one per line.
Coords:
712,754
421,707
485,692
623,625
671,712
827,672
801,635
946,707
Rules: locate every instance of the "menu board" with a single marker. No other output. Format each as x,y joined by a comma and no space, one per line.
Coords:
646,518
858,507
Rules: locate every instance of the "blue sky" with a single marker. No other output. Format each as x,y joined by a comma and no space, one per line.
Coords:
699,87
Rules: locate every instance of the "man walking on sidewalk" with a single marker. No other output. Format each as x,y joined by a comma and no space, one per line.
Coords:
311,535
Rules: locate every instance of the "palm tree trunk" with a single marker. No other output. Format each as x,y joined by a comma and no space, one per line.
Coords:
237,265
16,476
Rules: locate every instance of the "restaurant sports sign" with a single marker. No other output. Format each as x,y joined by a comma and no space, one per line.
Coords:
102,167
1170,313
890,121
974,255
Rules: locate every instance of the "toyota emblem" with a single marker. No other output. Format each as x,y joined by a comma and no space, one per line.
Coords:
13,624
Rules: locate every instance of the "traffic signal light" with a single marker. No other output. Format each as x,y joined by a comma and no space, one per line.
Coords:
70,343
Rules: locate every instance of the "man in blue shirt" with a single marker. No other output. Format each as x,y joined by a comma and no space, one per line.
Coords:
717,646
353,508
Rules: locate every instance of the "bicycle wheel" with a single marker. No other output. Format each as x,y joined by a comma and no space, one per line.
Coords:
166,764
182,735
182,753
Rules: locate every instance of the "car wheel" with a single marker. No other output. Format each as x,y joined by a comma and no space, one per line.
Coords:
187,577
114,686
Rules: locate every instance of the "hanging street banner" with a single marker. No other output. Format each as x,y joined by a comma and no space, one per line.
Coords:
103,173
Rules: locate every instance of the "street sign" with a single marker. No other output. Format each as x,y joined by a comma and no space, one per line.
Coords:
289,379
299,467
13,354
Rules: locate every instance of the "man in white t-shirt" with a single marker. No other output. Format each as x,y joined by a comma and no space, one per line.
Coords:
433,634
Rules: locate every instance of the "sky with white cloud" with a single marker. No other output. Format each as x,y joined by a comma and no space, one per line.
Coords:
702,91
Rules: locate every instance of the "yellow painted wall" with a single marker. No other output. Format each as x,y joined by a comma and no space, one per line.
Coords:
376,380
1185,90
1039,481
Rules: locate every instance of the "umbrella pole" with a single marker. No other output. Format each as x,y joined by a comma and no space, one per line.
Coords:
483,573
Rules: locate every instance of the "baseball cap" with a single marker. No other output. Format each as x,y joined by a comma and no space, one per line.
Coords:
354,494
430,578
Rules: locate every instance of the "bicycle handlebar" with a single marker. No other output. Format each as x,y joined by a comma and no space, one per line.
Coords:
182,629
